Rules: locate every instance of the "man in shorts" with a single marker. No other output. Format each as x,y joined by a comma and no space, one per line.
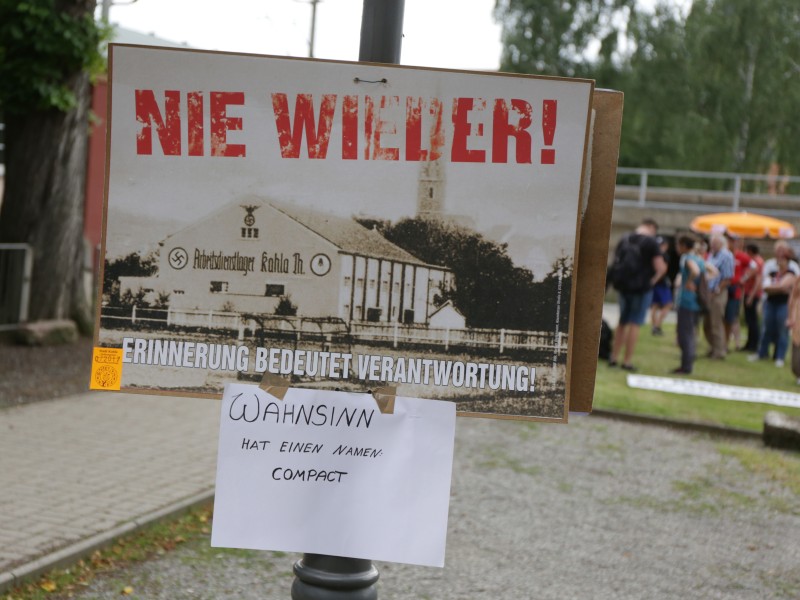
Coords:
635,288
662,294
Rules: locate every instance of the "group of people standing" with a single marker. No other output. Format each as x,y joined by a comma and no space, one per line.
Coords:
715,283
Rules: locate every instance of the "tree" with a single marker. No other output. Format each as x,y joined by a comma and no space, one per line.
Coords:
47,50
132,265
490,290
752,74
573,38
285,307
716,90
658,93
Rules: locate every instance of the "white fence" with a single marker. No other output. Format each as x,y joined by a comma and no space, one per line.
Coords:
777,195
203,318
499,339
336,331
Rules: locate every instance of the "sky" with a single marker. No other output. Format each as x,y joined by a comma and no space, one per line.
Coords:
455,34
449,34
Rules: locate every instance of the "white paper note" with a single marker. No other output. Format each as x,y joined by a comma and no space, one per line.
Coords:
327,473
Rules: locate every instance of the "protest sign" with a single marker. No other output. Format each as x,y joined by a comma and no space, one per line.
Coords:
328,473
343,226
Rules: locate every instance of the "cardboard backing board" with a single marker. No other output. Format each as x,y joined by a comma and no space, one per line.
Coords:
593,255
259,252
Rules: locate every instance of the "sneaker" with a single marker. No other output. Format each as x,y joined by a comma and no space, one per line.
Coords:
779,363
680,371
753,358
612,363
630,368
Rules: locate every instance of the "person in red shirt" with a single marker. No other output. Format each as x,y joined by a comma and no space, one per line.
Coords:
742,264
751,295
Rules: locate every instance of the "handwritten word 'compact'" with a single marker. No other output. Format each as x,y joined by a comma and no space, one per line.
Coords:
281,474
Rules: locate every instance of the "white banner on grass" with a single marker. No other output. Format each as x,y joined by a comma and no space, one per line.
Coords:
708,389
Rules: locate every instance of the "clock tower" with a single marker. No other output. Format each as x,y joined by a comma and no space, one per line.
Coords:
430,190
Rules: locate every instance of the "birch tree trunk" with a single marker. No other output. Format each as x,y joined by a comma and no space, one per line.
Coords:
749,76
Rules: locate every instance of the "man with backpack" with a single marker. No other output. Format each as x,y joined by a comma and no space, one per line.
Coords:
638,264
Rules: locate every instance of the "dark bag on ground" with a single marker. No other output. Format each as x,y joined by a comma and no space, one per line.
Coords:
628,273
606,338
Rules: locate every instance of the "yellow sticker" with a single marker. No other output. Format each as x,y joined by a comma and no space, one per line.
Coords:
106,369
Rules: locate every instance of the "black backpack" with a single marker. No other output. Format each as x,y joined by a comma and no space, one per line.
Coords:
606,340
703,293
629,273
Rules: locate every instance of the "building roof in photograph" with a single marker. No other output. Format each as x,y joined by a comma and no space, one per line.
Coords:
447,306
347,234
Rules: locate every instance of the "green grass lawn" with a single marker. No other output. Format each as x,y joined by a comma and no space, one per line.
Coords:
659,355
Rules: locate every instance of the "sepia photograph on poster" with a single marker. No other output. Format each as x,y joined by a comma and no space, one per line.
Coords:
342,226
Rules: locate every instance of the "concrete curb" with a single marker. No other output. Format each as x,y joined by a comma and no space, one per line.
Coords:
708,428
71,554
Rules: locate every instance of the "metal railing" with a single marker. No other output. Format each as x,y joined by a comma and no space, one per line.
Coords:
778,195
16,266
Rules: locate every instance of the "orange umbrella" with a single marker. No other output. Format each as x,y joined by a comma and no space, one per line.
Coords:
743,224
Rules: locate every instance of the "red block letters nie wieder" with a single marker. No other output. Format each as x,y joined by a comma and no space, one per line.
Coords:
169,125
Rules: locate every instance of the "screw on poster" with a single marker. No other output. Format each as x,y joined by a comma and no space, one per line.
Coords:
342,225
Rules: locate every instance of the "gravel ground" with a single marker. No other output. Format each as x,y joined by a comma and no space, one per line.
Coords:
32,373
594,510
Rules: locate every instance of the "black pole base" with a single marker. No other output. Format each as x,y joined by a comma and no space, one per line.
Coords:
322,577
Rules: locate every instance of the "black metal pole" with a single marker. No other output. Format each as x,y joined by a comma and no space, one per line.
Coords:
318,576
381,31
313,28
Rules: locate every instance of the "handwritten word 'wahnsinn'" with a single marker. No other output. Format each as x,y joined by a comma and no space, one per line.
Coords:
386,128
249,408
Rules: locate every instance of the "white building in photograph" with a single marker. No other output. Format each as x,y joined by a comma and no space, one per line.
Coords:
247,256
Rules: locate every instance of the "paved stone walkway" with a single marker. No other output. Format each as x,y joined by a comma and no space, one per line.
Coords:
78,471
